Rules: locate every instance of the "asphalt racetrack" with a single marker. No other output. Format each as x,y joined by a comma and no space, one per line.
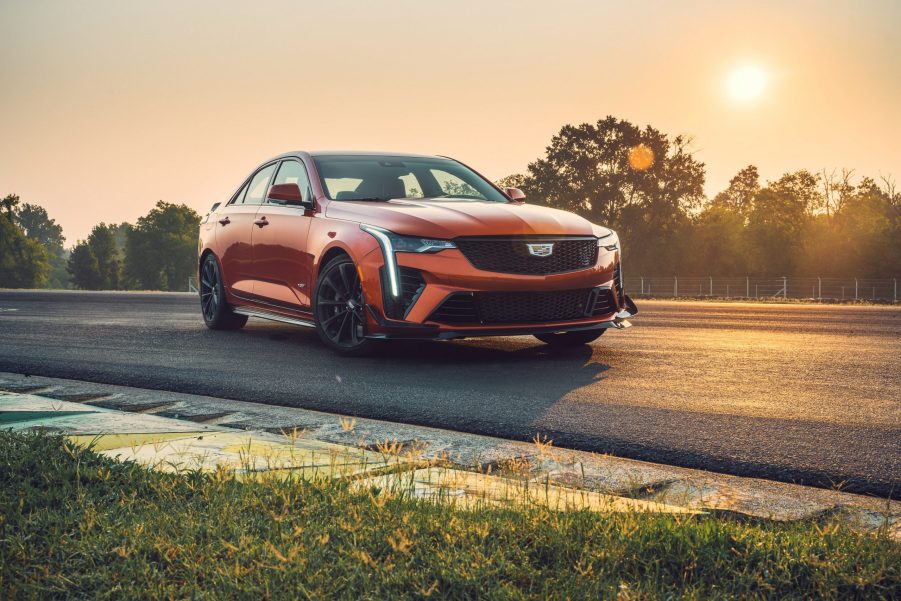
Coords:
792,392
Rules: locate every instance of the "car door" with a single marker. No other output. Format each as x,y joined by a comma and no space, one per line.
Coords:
282,266
234,225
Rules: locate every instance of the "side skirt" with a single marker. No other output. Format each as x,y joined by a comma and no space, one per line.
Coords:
274,317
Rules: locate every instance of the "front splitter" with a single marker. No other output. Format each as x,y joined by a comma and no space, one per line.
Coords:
617,323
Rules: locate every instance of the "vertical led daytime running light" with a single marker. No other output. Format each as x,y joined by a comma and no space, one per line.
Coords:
388,253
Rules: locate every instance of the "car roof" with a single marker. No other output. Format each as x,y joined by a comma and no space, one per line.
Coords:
333,153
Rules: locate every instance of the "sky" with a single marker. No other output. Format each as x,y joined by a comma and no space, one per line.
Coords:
109,106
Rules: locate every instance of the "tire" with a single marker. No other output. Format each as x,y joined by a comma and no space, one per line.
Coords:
339,308
217,314
579,337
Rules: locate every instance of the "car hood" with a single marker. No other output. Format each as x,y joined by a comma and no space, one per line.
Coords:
452,218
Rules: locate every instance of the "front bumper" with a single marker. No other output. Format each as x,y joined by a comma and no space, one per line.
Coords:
449,273
401,330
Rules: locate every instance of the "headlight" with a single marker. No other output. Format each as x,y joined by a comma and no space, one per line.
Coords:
409,244
392,243
609,242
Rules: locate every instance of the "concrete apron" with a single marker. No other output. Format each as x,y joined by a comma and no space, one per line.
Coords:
173,431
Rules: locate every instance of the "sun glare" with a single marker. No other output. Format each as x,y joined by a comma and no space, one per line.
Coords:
746,83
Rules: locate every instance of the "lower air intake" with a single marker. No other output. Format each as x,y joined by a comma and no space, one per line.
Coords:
489,308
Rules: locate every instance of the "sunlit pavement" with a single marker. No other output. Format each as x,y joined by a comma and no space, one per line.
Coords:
423,462
807,394
172,445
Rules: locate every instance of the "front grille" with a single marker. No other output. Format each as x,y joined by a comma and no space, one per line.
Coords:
486,308
511,255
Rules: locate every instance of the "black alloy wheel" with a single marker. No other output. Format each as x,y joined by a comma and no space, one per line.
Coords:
217,315
340,309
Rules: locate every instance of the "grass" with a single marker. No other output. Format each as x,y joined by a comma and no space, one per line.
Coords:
75,524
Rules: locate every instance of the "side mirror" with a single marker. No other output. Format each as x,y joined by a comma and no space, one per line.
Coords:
288,194
515,193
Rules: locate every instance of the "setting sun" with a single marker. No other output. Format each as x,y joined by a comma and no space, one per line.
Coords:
747,83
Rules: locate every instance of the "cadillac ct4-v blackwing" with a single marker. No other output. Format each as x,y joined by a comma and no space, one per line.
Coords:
365,246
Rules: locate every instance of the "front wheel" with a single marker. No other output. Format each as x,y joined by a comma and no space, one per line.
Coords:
570,338
217,315
339,308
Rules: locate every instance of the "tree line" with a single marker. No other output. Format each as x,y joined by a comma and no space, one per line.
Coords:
645,184
649,187
155,253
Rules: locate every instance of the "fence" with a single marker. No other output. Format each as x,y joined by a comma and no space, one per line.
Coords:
833,289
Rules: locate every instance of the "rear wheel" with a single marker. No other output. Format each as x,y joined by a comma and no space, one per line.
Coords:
339,308
570,338
217,315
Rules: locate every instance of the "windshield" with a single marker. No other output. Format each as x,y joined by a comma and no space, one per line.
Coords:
361,177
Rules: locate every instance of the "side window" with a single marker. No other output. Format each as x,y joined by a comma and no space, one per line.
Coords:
293,172
453,185
412,187
239,197
259,186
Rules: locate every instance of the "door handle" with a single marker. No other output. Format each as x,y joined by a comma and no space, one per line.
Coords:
261,222
225,220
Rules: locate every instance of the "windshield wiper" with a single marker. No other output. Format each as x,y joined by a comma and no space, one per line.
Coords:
368,199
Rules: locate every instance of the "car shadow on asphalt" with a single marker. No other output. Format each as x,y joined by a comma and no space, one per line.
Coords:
520,368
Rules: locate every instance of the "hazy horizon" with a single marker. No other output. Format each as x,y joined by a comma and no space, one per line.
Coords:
109,107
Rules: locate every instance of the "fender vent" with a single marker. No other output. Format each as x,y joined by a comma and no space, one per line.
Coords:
411,286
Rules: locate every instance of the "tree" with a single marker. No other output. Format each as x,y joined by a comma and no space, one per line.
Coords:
871,228
83,267
598,170
586,169
739,196
120,234
37,225
515,180
103,246
836,190
718,241
821,238
639,181
857,232
778,219
890,190
94,263
23,262
161,248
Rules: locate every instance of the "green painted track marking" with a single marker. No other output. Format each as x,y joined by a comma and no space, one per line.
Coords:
11,417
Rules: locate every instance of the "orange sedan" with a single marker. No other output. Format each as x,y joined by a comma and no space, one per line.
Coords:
368,246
